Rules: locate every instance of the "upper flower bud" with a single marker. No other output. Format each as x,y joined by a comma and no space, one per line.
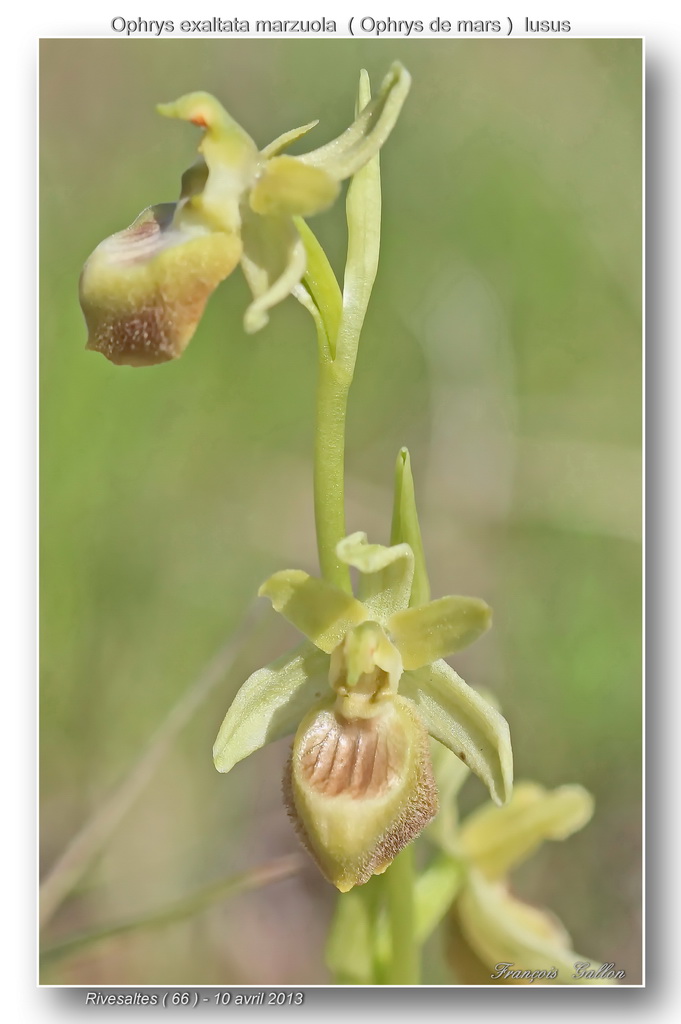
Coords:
144,289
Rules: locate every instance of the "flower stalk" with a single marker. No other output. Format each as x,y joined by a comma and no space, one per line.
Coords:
404,967
333,386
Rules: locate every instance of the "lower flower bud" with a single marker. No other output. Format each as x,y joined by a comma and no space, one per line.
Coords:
360,789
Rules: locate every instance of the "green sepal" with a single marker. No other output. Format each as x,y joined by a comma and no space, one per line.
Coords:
406,529
321,611
385,574
270,704
437,629
457,716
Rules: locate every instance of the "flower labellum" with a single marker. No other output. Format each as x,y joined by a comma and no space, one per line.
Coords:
359,789
359,784
144,290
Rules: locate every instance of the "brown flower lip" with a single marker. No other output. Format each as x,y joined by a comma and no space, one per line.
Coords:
359,790
143,290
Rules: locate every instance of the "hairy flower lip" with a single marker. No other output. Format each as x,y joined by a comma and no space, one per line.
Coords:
359,790
144,289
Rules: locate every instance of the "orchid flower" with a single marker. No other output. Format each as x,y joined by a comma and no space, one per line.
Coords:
361,694
143,290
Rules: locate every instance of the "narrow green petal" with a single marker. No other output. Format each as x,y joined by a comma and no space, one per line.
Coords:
456,715
287,139
437,629
273,262
363,139
498,838
386,573
286,188
406,529
502,930
270,704
323,612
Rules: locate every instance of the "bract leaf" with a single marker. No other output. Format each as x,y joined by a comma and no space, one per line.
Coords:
363,212
321,294
405,526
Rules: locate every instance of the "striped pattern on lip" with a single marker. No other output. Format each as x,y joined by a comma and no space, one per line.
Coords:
360,757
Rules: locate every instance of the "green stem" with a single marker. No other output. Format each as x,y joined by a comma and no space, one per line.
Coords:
333,385
404,965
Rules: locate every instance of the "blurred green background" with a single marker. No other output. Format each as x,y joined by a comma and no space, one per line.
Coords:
503,346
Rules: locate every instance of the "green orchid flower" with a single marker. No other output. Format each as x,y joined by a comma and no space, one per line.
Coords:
362,693
144,289
495,937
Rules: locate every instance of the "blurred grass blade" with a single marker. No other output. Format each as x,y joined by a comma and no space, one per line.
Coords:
192,905
91,839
